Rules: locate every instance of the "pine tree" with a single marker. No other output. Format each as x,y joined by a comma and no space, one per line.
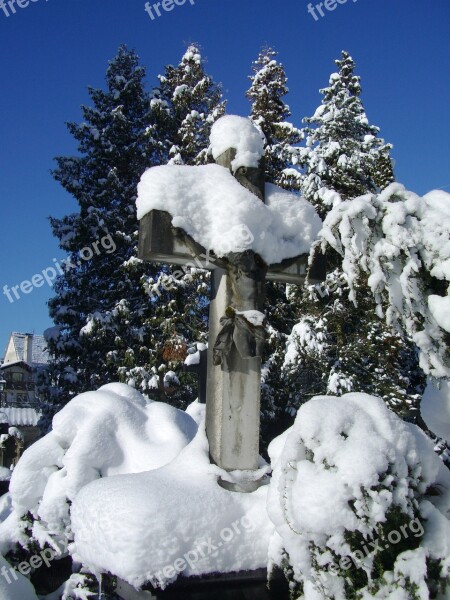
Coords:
116,317
343,153
269,113
116,144
104,321
335,347
193,102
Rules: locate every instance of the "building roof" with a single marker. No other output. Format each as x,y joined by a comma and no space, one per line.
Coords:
18,417
15,364
39,351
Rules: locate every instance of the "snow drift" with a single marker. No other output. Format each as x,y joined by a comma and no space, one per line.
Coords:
125,485
98,434
172,520
346,477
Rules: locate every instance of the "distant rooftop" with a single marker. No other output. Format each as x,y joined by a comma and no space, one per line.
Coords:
39,353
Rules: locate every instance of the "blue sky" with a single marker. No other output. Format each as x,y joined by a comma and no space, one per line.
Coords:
53,49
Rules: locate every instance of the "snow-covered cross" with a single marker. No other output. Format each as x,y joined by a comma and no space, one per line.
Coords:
225,218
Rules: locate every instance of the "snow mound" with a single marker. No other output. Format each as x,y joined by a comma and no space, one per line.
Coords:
197,411
172,520
435,408
209,204
193,357
345,470
13,585
440,309
435,217
112,431
5,473
240,133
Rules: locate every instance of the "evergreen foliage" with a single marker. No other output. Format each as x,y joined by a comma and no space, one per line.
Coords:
116,317
269,113
336,347
343,153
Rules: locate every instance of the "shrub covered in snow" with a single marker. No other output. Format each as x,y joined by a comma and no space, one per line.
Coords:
125,486
357,507
112,431
360,504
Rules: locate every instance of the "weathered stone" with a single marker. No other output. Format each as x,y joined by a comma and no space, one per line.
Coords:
251,178
160,242
233,392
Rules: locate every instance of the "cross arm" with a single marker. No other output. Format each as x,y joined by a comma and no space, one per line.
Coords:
294,270
160,242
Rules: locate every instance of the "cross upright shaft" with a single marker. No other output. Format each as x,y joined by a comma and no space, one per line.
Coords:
234,385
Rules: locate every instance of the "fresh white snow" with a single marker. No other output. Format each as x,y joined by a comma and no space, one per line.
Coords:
14,586
172,520
209,204
98,434
241,134
5,473
193,357
255,317
395,237
435,408
131,481
145,503
440,309
341,466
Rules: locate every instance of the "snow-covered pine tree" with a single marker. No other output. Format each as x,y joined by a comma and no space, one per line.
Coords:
105,324
335,347
399,242
269,113
188,102
116,317
343,153
192,102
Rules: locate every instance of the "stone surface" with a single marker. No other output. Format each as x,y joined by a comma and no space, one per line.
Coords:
251,178
159,242
245,585
233,392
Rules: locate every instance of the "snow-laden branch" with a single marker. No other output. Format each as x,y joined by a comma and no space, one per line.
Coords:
401,241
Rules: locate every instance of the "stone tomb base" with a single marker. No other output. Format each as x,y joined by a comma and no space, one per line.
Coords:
245,585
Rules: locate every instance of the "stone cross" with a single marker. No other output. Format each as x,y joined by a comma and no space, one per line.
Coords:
236,336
